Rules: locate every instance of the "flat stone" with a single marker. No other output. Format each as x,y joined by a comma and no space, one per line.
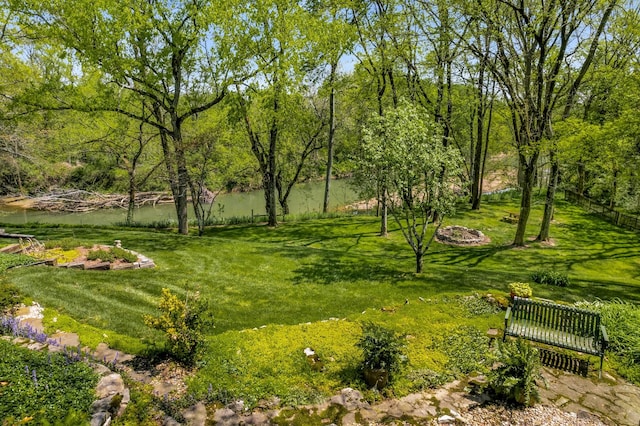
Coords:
196,415
121,266
225,416
256,418
74,265
349,419
147,265
100,370
110,385
100,419
597,403
561,401
163,388
70,340
101,266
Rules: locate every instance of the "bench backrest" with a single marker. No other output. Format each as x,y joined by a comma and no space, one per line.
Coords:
569,319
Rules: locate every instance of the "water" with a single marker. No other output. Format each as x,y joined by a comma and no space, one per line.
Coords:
304,198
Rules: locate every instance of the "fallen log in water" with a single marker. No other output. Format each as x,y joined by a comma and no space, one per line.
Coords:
79,201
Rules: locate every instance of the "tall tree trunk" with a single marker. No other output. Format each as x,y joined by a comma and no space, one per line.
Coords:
573,91
332,130
384,211
132,196
270,178
551,193
528,167
419,261
183,189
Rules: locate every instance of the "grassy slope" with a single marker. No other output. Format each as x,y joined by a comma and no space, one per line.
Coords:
311,271
314,270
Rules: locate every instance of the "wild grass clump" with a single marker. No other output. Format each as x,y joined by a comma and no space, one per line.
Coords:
622,320
45,387
12,260
466,350
65,244
555,278
112,254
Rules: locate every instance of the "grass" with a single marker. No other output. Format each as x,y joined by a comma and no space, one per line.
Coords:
284,282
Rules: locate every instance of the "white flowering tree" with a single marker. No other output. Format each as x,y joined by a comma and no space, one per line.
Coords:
405,148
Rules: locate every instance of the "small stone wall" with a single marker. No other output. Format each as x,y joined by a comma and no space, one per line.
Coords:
456,234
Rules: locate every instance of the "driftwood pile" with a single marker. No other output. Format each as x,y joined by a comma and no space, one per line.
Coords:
79,201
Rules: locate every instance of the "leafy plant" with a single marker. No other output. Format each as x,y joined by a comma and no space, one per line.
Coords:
520,289
63,243
101,254
183,323
44,387
515,378
550,277
10,260
9,294
382,348
123,254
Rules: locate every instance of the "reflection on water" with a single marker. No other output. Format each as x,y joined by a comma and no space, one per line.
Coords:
305,198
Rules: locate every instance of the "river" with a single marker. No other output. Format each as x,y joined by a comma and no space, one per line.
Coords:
304,198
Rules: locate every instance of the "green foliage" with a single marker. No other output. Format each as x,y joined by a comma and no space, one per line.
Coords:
382,348
556,278
112,254
10,295
622,320
183,323
43,386
477,305
520,289
515,378
101,254
10,260
69,243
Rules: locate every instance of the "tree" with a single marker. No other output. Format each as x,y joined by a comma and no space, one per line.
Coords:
423,173
177,58
537,47
283,50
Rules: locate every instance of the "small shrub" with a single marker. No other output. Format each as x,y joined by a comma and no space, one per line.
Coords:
101,254
550,277
520,289
9,295
382,348
125,255
183,323
517,373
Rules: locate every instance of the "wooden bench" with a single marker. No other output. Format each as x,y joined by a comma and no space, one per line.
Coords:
557,325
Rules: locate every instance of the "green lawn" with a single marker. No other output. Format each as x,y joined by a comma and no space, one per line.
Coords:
309,271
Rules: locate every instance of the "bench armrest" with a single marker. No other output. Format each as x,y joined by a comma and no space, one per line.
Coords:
605,337
506,317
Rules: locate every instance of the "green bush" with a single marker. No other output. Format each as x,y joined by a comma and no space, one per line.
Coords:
9,295
101,254
517,373
183,323
558,279
382,348
520,289
43,386
122,254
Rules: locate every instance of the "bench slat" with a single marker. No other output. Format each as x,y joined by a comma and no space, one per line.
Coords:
556,325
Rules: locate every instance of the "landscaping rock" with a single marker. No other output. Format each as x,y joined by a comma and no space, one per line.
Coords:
110,385
196,415
101,419
101,266
350,399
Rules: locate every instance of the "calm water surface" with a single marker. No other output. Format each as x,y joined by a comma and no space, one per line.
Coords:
305,198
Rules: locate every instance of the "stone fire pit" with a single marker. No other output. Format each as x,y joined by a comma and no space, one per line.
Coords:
461,235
